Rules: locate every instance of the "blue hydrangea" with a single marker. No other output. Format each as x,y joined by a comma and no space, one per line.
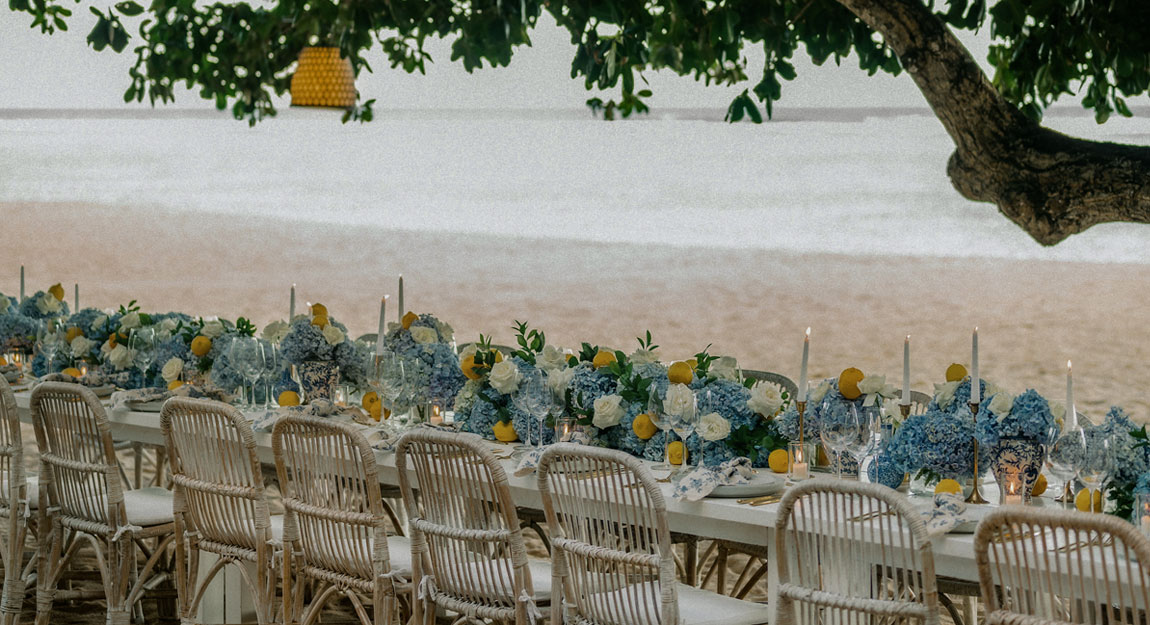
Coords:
305,342
1129,462
1143,485
715,453
481,415
654,449
590,384
623,437
729,399
885,470
961,400
1030,418
224,375
29,309
83,319
939,442
17,331
437,373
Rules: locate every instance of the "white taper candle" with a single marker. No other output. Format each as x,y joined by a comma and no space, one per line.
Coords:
803,368
401,296
906,370
291,306
21,283
975,380
76,301
382,326
1071,412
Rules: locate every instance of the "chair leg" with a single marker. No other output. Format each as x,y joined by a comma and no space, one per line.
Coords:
47,570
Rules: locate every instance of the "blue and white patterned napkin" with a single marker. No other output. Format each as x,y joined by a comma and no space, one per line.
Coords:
530,460
945,514
700,482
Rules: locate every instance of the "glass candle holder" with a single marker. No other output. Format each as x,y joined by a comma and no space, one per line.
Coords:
799,460
1012,489
564,428
1142,513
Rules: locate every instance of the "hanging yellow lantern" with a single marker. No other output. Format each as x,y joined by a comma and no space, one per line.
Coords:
323,79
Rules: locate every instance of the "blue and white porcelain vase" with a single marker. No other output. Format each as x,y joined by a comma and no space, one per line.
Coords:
318,379
1016,463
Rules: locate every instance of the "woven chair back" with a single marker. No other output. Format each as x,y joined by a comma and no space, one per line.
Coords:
612,545
464,527
217,474
330,487
853,553
1058,566
76,450
12,474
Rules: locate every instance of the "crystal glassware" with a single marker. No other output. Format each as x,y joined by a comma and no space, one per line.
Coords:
660,419
246,357
142,342
840,427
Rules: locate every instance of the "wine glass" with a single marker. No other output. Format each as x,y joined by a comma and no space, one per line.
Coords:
661,420
270,355
394,382
142,342
1096,461
49,341
684,425
869,429
840,427
533,398
1063,455
246,356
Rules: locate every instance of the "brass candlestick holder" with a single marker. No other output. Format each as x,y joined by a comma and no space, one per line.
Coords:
976,489
905,410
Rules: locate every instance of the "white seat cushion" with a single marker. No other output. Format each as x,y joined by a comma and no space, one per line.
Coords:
33,490
398,548
148,506
696,606
540,579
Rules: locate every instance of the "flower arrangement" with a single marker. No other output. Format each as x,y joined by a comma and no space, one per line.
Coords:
1028,416
485,404
833,398
1130,454
936,444
48,304
17,331
428,344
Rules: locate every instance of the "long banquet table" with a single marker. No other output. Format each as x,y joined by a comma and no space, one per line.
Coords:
709,518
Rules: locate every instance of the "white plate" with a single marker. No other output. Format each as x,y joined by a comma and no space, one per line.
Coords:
148,406
764,482
103,391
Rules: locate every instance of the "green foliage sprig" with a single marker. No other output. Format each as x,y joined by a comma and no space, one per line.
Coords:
531,342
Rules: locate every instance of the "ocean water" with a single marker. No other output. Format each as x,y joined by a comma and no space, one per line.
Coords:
827,181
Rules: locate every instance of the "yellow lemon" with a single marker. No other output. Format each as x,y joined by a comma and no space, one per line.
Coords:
318,310
57,291
643,427
955,372
174,384
1039,486
468,366
680,373
370,398
72,334
320,321
849,383
675,452
948,486
288,398
384,414
603,358
201,345
112,340
692,363
779,460
409,319
1085,497
504,431
3,361
72,371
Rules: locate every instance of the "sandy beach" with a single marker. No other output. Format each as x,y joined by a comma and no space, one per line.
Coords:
751,304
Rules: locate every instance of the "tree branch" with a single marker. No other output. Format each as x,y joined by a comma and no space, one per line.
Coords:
1049,184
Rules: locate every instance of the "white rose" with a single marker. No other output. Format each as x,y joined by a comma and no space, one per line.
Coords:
172,370
48,304
504,377
332,334
213,329
169,324
817,395
470,350
98,322
766,398
120,357
725,368
558,380
680,401
875,385
551,358
992,389
713,427
275,331
608,411
944,393
106,347
130,321
643,356
1001,404
82,346
423,335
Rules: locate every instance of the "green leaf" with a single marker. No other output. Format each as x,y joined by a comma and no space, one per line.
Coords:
129,8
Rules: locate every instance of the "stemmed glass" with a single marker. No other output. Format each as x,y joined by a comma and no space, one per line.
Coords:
870,428
840,430
533,398
270,354
142,342
684,425
1063,455
661,420
394,380
1096,461
246,356
49,341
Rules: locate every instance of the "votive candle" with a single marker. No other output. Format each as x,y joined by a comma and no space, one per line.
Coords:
382,326
436,415
906,370
975,380
803,367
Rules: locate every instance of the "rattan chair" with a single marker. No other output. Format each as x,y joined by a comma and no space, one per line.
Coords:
853,553
16,501
1039,567
612,558
335,527
468,554
83,501
220,506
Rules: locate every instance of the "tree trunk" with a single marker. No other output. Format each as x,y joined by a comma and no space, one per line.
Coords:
1050,184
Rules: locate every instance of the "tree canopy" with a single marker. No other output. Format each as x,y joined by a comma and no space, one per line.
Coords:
241,55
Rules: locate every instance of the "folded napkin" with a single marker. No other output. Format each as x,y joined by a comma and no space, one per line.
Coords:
530,460
122,400
264,420
94,379
700,482
945,514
